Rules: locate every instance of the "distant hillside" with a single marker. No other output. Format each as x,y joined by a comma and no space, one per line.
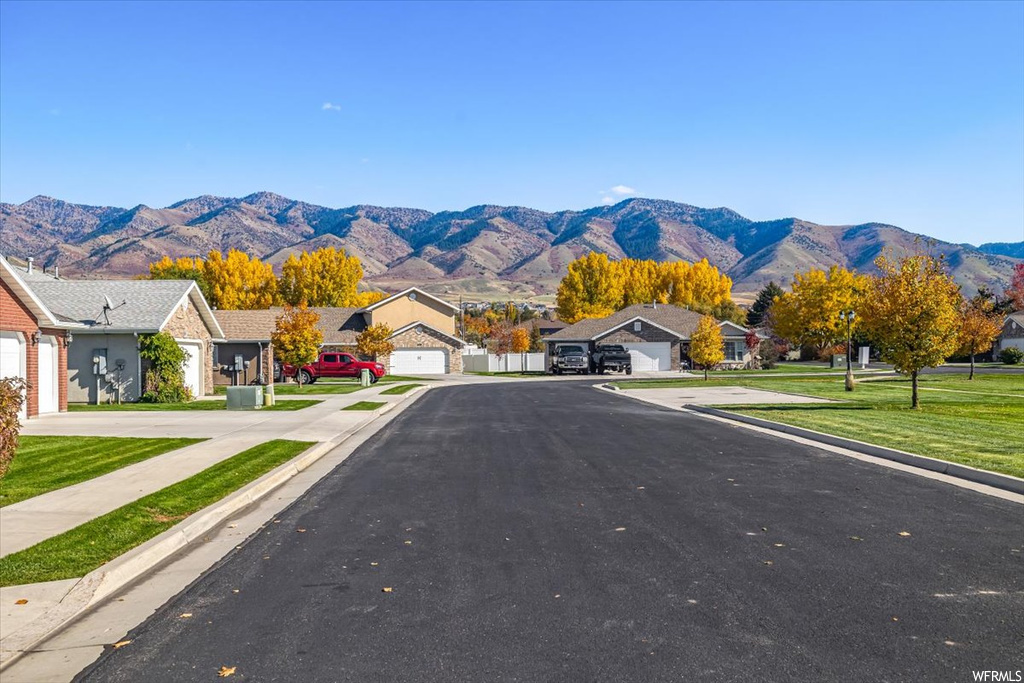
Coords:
1011,249
481,252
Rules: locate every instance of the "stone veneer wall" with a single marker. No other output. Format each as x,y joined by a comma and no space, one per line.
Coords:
647,333
187,324
426,338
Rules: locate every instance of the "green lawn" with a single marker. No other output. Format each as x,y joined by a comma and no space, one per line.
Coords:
400,389
318,388
47,463
365,405
98,541
207,404
973,422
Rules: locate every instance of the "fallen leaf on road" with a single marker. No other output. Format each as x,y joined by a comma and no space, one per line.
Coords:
277,521
373,564
301,531
226,671
121,643
23,601
640,488
856,538
769,562
730,480
266,557
950,642
557,595
409,529
408,542
895,618
387,589
185,615
780,545
234,590
764,528
620,528
904,533
232,526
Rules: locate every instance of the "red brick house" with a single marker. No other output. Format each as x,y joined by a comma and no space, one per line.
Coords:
33,345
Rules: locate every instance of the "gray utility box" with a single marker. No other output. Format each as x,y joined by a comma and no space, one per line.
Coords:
245,398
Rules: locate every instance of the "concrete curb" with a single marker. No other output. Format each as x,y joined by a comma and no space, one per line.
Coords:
104,581
993,479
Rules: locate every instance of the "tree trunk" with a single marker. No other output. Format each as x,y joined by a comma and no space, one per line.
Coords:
914,402
972,367
705,373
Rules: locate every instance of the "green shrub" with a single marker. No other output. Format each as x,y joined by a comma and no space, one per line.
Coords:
12,393
769,353
165,380
1011,355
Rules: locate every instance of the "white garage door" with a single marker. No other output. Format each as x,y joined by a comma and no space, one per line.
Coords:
12,359
193,367
650,356
48,402
419,362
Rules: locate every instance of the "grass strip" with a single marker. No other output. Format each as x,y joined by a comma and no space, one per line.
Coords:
88,546
400,389
365,405
208,404
47,463
971,422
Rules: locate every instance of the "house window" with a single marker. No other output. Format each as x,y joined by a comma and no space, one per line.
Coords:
636,326
733,351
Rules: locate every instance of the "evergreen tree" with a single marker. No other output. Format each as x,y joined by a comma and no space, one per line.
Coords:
765,298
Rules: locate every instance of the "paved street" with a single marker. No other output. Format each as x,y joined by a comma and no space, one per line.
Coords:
534,531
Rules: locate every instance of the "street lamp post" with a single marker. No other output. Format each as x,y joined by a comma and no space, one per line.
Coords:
848,317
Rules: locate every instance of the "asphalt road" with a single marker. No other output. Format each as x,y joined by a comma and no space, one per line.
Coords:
552,532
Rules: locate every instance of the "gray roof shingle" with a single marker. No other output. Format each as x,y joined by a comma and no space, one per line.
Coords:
147,303
338,325
679,320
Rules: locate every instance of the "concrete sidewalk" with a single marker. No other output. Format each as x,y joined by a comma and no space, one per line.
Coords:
26,523
676,397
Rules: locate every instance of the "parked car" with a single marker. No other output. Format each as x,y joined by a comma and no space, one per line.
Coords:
570,358
611,358
331,364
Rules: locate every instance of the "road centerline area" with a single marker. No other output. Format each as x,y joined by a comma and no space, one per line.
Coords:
546,531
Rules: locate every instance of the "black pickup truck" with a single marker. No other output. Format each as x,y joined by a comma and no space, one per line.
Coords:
570,359
611,357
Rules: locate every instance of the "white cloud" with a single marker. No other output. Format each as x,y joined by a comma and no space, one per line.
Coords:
622,190
327,106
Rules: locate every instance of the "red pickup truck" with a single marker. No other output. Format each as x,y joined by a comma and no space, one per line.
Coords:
331,364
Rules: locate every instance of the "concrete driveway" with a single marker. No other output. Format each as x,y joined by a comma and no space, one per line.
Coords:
708,396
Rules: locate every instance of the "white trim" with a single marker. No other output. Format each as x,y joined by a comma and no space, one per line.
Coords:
742,330
40,310
418,291
429,327
631,320
204,310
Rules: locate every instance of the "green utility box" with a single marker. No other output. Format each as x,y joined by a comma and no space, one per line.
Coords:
838,360
245,398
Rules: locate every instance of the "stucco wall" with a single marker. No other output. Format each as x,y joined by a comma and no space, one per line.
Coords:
424,337
82,386
403,311
187,324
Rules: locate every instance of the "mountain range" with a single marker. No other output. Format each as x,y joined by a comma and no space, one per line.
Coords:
484,252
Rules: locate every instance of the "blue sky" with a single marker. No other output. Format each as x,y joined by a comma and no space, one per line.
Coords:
911,114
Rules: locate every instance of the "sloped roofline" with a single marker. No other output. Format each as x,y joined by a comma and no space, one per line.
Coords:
205,312
44,317
609,330
418,323
406,292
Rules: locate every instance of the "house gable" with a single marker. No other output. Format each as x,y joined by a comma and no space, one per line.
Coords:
413,306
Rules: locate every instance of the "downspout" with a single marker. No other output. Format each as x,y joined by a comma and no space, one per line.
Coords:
138,367
259,361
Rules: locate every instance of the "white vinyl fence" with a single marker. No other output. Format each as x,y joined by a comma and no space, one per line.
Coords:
510,362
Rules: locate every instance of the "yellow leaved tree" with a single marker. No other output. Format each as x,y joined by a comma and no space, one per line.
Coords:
296,338
520,340
325,277
810,314
375,342
591,289
238,281
980,324
707,347
911,313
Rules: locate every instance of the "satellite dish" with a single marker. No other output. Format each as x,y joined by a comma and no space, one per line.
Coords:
108,305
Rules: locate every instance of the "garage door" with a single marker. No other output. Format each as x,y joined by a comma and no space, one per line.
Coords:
48,374
12,358
193,367
650,356
419,362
